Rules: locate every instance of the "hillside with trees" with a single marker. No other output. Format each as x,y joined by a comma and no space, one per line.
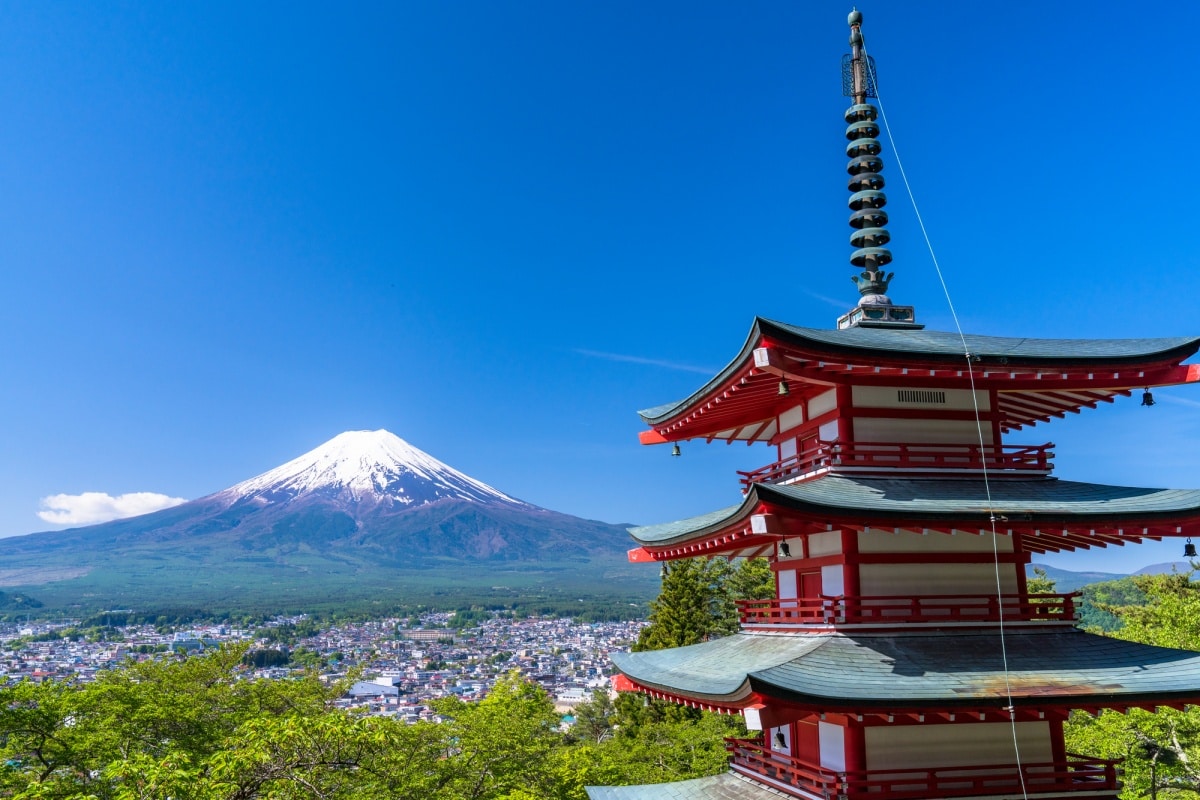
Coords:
199,729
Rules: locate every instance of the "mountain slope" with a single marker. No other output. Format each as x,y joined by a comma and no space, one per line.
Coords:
363,515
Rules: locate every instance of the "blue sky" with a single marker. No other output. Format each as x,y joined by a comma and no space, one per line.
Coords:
230,231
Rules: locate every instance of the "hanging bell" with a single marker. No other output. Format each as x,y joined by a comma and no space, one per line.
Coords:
784,550
784,389
1147,398
1189,549
675,451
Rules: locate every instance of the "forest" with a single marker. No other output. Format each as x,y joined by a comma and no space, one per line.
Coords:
197,728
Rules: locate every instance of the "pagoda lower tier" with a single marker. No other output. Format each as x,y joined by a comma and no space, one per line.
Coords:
910,715
903,655
951,676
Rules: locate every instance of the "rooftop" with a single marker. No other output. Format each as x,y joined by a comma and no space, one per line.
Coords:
894,671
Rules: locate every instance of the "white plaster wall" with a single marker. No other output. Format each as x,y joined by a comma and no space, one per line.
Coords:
833,746
826,401
795,545
935,579
833,580
791,418
899,747
886,397
787,448
828,431
913,542
787,583
827,543
916,431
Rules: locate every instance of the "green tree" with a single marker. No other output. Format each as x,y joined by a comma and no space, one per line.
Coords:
689,605
595,719
658,752
748,579
506,744
1162,749
1040,582
698,600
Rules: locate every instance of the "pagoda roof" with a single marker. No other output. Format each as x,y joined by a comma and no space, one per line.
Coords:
880,672
1054,514
1048,376
726,786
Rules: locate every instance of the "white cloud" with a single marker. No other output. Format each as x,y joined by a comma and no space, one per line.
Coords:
90,508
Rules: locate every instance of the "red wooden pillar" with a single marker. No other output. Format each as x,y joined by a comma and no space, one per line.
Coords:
1058,747
994,416
1020,562
856,748
844,398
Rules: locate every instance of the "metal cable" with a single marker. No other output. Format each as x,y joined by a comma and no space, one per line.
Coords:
1010,708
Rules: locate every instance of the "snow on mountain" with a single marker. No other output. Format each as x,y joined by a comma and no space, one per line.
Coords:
366,468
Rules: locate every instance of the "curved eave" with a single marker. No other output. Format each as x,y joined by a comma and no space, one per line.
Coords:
1044,377
732,525
1051,515
871,673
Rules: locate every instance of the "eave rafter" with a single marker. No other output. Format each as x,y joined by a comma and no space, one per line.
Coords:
623,683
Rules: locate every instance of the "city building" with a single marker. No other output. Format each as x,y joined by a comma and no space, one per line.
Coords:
903,655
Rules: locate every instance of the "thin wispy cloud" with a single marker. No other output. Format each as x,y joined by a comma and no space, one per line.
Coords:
842,304
649,362
1159,397
91,508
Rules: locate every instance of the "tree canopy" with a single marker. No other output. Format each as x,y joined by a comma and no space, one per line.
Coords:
1161,749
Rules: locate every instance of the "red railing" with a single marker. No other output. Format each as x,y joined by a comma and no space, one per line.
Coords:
1076,774
900,609
888,455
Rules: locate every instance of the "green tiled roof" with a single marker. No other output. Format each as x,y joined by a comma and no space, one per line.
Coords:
866,343
719,787
947,343
892,500
672,531
882,671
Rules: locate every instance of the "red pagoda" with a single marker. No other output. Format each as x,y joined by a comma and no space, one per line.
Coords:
903,656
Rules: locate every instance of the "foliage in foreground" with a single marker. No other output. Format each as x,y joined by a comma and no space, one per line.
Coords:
197,729
1161,750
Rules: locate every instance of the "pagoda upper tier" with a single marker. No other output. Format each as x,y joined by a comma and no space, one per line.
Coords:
782,379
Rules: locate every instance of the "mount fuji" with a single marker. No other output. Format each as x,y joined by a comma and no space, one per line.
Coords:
364,515
366,469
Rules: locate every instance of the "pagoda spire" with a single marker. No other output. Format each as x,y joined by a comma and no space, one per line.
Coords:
867,199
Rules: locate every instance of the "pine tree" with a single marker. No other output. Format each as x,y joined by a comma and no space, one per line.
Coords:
688,606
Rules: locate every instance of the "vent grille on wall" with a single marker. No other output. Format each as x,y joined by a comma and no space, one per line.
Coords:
920,396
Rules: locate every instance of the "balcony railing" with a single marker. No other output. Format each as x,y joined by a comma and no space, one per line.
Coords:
865,456
900,609
1075,774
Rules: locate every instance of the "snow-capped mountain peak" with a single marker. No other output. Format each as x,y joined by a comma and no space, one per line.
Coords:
371,467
